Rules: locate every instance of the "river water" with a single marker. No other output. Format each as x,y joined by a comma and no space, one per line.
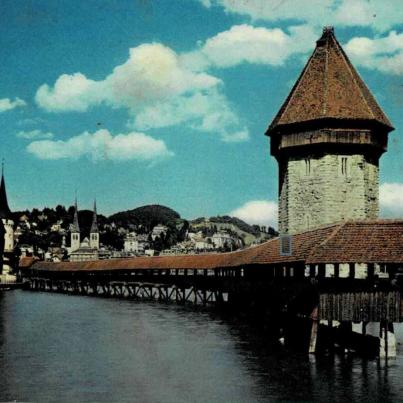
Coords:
55,347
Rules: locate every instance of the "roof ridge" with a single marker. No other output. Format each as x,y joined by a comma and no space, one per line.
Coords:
325,84
293,91
333,233
351,71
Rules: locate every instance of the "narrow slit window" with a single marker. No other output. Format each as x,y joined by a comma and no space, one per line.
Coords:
344,166
307,166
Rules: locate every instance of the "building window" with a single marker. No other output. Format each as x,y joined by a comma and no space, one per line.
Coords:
285,245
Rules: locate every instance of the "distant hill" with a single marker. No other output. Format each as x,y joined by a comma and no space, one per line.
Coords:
147,217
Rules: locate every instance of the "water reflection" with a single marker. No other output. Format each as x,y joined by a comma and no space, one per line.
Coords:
65,348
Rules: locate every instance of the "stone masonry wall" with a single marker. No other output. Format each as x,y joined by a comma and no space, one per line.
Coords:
325,189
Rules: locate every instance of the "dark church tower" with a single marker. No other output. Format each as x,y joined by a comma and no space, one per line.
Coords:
94,231
75,230
328,137
7,228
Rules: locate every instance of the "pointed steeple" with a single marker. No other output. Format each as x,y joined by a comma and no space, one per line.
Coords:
5,211
75,227
328,90
94,225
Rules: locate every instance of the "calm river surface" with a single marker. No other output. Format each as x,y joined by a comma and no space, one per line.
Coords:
55,347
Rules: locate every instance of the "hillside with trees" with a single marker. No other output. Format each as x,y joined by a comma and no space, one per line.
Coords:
46,228
233,225
147,217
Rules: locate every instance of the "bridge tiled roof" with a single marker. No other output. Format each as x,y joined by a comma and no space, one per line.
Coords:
329,87
379,241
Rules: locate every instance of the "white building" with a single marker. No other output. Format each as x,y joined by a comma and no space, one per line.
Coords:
158,230
134,243
222,239
203,244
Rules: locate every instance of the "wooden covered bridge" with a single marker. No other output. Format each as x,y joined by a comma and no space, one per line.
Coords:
346,272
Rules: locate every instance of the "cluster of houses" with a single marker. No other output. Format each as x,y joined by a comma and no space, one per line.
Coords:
136,243
194,242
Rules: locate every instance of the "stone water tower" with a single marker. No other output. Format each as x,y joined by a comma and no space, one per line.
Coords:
328,137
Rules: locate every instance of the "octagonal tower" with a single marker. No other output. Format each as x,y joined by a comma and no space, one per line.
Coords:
328,137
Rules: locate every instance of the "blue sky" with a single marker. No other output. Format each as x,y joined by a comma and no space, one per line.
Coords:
146,101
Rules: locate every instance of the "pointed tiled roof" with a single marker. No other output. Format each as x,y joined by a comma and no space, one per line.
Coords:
5,211
94,225
75,227
329,88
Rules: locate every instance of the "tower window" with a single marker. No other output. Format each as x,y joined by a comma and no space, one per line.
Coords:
344,166
307,166
307,221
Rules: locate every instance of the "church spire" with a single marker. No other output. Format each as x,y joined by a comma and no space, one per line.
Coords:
75,226
5,211
94,225
94,232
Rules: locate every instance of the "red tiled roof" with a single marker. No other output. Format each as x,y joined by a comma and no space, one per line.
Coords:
379,241
329,88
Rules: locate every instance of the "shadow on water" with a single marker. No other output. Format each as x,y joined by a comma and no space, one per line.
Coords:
284,375
72,348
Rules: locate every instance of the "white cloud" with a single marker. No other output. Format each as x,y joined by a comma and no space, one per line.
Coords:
206,3
34,134
261,212
383,53
235,137
6,104
391,199
208,113
273,10
157,88
248,44
70,93
101,145
380,15
30,121
152,73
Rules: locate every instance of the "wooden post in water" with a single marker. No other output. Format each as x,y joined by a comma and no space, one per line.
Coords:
364,328
387,345
314,331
